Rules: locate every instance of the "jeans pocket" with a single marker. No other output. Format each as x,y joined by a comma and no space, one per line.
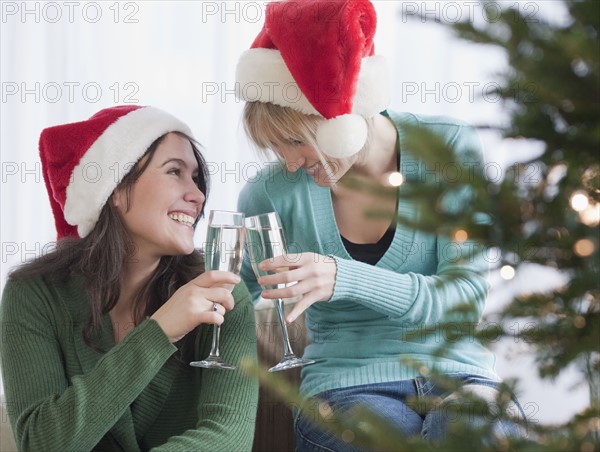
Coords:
425,387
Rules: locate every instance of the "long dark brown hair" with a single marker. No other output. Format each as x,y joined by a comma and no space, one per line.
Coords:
100,258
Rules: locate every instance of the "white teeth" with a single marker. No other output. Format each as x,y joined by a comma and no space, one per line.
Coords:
182,218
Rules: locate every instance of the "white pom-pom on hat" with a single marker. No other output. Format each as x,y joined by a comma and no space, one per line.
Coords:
342,136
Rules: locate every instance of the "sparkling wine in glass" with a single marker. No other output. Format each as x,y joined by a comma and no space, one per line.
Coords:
223,251
266,240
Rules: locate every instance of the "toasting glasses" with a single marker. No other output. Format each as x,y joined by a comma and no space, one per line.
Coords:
265,240
223,251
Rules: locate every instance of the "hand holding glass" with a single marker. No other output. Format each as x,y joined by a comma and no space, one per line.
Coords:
265,240
223,251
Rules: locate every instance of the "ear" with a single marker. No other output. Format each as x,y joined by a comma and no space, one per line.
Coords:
119,199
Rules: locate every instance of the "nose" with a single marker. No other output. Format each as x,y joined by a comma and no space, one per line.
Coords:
194,195
294,160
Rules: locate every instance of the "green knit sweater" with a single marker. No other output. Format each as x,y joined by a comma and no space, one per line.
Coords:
389,321
63,395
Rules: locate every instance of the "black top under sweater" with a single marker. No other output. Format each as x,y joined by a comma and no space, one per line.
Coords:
369,253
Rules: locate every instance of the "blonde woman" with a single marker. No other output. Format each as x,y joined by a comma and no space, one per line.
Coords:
364,283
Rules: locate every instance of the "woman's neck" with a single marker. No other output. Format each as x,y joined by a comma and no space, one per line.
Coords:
136,275
380,158
123,313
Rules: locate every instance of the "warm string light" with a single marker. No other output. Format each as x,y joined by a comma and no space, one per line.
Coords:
461,235
589,211
579,321
395,179
590,216
584,247
579,201
507,272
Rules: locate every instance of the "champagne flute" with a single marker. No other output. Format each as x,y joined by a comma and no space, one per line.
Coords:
266,241
223,251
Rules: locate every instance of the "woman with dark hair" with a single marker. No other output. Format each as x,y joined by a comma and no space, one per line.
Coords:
97,335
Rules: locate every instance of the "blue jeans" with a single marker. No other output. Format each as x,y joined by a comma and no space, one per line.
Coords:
398,402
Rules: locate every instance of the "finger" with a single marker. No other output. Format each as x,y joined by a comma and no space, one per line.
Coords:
283,277
215,277
220,296
207,315
213,318
301,288
285,260
218,308
300,307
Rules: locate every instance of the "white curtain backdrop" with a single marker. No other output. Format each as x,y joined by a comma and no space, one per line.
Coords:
63,61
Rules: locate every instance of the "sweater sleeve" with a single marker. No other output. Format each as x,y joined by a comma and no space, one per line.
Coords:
462,268
46,410
416,299
228,399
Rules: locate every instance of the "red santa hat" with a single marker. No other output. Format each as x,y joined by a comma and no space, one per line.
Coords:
318,57
83,162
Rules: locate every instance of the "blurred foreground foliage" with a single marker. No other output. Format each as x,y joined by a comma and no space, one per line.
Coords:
547,216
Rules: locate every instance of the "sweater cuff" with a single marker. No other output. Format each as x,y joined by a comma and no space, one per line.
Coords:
370,285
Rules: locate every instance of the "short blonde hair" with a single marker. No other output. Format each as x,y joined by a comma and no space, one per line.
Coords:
269,125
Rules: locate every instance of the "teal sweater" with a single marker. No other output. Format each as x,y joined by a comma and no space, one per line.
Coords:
366,332
65,396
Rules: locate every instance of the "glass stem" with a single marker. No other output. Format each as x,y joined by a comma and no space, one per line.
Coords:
214,350
287,348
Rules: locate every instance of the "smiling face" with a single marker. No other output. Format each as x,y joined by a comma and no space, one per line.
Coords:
164,202
326,172
291,135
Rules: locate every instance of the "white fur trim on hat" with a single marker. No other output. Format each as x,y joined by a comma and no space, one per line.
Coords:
373,92
109,159
342,136
262,76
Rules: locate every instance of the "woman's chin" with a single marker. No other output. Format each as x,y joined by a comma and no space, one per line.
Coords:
183,249
188,250
326,183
